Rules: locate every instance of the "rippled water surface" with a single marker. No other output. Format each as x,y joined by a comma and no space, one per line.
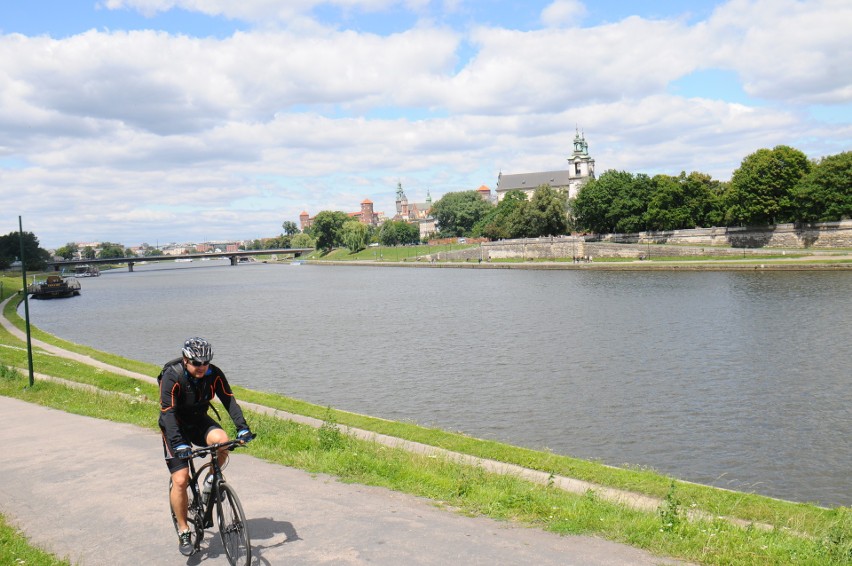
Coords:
739,380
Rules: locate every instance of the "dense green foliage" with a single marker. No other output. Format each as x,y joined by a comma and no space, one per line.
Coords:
685,201
497,224
327,229
10,251
111,250
770,186
290,228
302,241
355,235
397,232
761,189
67,251
825,194
457,213
598,206
544,215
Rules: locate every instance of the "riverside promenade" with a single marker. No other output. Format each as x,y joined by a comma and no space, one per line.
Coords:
94,491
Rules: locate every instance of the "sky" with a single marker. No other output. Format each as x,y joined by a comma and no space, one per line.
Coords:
160,121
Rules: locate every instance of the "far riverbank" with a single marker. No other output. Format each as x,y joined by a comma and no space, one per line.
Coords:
842,263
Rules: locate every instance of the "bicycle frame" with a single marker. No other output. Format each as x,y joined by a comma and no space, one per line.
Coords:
200,512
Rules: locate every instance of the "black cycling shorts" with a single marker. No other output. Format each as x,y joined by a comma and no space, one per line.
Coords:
196,432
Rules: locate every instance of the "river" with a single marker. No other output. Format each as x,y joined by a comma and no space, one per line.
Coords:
734,379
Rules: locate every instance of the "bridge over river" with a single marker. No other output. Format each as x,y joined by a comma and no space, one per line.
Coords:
130,261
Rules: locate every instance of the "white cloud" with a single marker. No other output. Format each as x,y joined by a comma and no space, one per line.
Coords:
126,136
563,13
786,49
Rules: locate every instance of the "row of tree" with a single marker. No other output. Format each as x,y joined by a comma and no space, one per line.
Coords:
333,229
771,186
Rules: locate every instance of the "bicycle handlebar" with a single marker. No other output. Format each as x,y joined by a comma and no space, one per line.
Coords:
209,449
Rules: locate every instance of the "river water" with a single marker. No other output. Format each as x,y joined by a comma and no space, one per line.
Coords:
739,380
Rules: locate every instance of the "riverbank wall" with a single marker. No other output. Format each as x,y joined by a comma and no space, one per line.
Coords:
724,242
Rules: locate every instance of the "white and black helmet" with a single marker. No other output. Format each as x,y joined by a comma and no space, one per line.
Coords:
198,350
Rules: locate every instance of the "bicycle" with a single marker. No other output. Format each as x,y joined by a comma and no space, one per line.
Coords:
222,497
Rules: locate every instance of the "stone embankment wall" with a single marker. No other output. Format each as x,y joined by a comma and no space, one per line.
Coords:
827,235
734,242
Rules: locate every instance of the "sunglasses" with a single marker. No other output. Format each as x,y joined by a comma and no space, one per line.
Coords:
199,364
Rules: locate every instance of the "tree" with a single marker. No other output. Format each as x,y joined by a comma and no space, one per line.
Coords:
67,251
825,194
397,232
546,212
35,257
761,188
110,250
685,201
281,241
327,229
495,225
457,213
355,235
88,252
630,207
302,241
290,228
593,206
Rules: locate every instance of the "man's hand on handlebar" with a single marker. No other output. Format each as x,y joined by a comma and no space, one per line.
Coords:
183,451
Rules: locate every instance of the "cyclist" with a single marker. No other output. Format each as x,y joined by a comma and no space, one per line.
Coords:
187,385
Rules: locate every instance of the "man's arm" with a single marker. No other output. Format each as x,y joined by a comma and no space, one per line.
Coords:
226,396
170,389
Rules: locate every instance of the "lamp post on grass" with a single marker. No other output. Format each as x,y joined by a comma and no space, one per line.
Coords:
26,301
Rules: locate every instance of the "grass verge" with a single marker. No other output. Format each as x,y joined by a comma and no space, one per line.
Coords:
16,549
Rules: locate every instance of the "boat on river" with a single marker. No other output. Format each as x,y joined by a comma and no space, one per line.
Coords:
54,287
86,271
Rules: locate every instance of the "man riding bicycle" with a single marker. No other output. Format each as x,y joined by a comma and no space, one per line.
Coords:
187,385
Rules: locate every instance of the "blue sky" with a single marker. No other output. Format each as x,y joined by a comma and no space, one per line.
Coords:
179,120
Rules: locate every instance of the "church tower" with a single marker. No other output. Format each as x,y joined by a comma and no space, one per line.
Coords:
401,202
582,166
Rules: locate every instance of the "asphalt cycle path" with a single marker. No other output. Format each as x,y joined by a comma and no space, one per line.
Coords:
95,492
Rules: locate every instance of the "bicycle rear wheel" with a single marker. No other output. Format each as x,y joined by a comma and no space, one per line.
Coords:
232,526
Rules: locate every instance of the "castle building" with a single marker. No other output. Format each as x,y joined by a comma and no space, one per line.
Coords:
419,212
410,212
582,169
366,216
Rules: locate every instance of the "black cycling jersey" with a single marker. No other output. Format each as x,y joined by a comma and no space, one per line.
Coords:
184,400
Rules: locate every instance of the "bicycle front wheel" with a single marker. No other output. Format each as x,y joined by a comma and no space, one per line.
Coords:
232,526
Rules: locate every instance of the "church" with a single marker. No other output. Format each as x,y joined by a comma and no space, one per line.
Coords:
582,168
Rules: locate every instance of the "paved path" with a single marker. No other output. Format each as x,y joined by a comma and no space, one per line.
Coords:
94,491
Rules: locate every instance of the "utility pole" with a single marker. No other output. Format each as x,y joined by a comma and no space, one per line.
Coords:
26,301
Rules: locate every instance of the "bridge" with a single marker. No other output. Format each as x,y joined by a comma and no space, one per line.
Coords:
130,261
